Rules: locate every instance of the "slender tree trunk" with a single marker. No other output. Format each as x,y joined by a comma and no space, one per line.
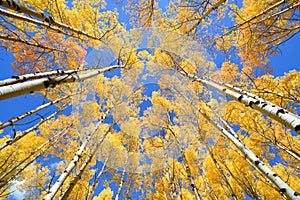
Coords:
4,182
20,117
229,133
95,183
283,188
19,40
18,89
187,168
78,175
33,21
24,133
277,113
122,180
31,154
54,189
48,19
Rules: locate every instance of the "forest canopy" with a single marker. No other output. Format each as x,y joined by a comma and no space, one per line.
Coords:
149,100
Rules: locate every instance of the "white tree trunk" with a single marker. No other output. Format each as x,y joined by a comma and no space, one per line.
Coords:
281,115
24,133
34,21
18,89
50,140
20,117
77,176
48,19
4,182
38,75
122,180
283,188
187,167
229,133
95,183
54,189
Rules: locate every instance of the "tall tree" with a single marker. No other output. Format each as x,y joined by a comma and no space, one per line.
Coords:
149,113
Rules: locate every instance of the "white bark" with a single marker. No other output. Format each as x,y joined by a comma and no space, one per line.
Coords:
187,168
95,183
283,188
277,113
4,182
54,189
38,75
18,89
33,21
24,133
20,117
32,153
77,176
48,19
122,180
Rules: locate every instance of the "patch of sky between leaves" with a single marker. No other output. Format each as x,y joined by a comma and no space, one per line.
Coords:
104,56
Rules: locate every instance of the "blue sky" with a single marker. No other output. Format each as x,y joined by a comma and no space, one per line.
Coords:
287,59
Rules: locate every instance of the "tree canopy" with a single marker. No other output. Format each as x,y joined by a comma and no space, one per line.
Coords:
150,100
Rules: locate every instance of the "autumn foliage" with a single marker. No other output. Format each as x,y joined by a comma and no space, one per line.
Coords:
151,114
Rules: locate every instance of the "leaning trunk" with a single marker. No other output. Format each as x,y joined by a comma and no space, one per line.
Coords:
18,89
277,113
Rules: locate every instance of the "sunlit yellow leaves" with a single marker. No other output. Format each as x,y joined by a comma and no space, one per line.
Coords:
131,127
90,111
186,194
105,194
165,146
223,43
228,72
36,174
157,99
163,59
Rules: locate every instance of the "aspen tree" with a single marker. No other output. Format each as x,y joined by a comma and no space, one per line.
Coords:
18,89
54,189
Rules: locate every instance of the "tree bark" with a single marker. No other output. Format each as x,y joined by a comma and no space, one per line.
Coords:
229,133
187,167
275,112
95,183
24,133
77,176
20,117
18,89
10,4
54,189
50,140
